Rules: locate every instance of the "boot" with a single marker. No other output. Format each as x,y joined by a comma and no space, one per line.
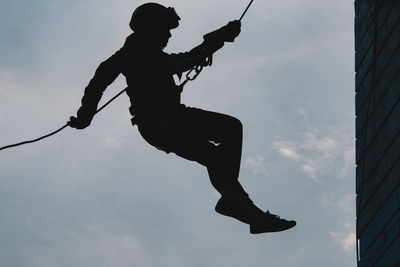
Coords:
235,206
244,210
268,222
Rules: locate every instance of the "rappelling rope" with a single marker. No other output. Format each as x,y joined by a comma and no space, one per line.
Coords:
63,127
34,140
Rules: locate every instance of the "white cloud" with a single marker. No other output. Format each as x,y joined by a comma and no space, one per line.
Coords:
288,152
344,233
346,203
303,112
346,238
349,242
324,144
349,159
309,170
317,153
255,164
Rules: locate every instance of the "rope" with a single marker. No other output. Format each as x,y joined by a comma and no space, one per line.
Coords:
244,12
34,140
62,128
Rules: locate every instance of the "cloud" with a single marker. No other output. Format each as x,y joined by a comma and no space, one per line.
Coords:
255,164
288,152
349,160
309,169
346,203
349,242
342,203
318,151
346,238
313,142
303,113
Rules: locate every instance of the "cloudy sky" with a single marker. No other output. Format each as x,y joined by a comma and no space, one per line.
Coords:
104,197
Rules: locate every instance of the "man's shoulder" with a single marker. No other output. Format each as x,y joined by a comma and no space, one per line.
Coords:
133,46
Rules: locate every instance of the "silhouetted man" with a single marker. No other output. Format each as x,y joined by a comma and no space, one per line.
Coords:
211,139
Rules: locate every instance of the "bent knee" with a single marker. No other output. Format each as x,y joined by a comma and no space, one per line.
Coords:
236,125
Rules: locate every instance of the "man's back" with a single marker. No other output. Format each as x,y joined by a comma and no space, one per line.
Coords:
149,75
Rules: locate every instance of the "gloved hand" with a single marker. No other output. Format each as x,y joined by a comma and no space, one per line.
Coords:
78,123
227,33
231,30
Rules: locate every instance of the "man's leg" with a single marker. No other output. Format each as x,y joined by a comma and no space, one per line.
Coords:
215,141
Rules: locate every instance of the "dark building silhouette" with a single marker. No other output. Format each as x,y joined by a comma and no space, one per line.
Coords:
377,65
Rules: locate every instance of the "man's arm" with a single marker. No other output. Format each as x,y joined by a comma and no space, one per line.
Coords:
105,74
213,41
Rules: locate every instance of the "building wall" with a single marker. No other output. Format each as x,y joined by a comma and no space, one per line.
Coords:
377,65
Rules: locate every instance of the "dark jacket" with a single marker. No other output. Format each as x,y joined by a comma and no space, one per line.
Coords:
149,74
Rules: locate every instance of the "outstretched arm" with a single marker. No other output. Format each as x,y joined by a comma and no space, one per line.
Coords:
105,74
213,41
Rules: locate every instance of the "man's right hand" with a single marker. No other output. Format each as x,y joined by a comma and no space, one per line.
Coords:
231,30
227,33
78,123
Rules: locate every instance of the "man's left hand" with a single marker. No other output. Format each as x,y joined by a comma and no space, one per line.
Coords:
78,123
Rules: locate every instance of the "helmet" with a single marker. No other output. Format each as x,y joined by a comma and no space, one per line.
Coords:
152,16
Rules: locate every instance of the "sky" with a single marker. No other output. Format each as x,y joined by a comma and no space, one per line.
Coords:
103,197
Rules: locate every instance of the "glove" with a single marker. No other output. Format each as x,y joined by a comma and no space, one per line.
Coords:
82,120
78,123
231,30
227,33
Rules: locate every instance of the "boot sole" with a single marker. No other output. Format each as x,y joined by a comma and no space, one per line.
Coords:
259,229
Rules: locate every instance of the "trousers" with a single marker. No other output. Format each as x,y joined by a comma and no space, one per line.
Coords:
212,139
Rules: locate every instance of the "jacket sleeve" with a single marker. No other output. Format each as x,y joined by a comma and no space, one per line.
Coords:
196,56
213,41
105,74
